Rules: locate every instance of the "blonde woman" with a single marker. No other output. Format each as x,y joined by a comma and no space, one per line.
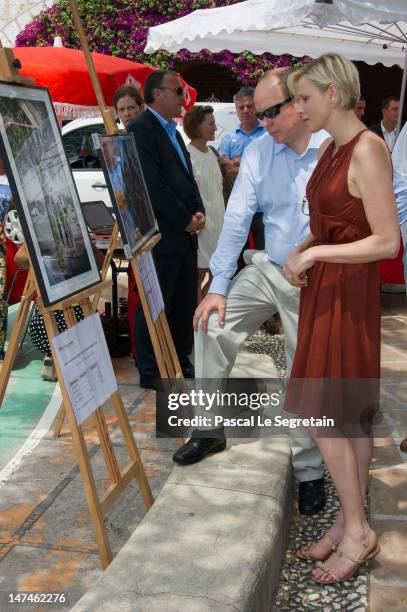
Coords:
336,368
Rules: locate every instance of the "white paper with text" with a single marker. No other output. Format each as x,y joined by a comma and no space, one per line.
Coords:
151,284
86,366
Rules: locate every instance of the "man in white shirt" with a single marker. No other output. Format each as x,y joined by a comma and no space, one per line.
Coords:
361,108
274,171
399,158
387,128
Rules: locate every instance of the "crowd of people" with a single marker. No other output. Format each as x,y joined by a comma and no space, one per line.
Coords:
315,187
323,184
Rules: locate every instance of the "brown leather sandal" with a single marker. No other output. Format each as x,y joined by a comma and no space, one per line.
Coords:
301,552
364,556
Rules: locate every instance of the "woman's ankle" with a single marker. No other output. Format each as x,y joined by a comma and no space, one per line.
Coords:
357,530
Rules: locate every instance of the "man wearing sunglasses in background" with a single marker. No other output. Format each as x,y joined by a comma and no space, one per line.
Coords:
274,171
179,211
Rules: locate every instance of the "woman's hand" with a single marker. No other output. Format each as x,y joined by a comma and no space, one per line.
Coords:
295,269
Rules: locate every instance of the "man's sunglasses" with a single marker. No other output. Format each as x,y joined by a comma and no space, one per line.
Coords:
178,90
273,111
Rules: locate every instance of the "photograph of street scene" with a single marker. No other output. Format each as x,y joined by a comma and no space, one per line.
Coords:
47,201
128,190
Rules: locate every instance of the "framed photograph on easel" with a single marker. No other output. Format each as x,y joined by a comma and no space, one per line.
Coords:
128,191
45,194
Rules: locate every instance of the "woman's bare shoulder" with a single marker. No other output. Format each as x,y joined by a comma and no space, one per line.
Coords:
323,147
370,164
370,144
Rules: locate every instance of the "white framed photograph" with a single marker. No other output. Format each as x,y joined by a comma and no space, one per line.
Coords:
128,191
44,193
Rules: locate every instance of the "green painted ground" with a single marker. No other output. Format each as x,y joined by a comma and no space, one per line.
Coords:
26,398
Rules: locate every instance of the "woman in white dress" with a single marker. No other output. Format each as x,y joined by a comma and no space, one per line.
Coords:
200,127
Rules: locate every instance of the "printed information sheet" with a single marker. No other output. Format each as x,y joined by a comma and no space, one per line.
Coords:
151,284
86,366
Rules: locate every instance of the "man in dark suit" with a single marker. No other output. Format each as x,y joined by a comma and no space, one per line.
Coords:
387,128
179,211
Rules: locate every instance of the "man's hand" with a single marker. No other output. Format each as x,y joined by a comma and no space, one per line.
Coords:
213,301
231,166
196,224
295,269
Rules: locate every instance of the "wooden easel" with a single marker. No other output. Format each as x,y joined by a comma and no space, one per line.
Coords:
161,339
163,345
119,479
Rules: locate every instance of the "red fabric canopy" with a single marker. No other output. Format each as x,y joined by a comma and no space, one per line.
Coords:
65,73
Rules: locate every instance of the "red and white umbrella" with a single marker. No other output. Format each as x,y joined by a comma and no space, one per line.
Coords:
65,73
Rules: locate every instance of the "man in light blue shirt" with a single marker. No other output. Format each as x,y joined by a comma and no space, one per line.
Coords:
171,129
399,158
272,179
235,142
179,211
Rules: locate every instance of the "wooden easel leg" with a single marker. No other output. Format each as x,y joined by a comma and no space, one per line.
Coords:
113,244
132,449
16,335
59,421
92,497
161,363
165,350
174,357
104,438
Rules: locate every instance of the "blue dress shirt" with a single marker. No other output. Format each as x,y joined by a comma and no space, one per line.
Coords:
272,180
171,129
235,142
399,158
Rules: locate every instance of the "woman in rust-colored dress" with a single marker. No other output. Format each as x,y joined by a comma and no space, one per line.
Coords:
336,367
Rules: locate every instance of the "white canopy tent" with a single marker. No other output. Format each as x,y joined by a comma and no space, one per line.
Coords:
358,29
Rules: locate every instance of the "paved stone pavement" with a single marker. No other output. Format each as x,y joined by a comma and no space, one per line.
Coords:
388,483
385,586
46,539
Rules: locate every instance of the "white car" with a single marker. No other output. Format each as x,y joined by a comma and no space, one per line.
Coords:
84,160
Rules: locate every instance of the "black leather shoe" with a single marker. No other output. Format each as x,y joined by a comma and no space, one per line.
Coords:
197,448
188,371
150,382
311,498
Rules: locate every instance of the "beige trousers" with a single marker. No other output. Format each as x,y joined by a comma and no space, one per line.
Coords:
255,294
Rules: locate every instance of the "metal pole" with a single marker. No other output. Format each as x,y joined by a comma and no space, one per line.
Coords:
403,92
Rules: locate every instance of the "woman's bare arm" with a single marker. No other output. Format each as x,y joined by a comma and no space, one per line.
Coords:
21,258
